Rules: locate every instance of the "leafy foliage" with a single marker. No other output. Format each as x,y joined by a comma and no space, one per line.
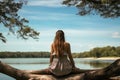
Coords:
24,54
104,8
97,52
10,19
2,38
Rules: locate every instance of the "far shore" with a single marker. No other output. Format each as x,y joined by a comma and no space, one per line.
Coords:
103,58
87,58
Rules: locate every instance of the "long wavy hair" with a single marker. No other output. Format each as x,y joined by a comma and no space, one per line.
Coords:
59,43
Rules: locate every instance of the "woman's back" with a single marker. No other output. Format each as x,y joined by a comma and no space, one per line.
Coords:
64,51
61,61
60,65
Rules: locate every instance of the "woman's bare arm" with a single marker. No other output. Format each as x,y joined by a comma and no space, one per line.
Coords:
70,55
51,52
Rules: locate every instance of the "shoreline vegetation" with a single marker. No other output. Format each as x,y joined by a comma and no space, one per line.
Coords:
101,53
102,58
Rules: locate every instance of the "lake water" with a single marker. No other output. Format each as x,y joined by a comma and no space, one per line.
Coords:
42,63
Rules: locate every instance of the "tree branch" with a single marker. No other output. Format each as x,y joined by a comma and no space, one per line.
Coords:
101,74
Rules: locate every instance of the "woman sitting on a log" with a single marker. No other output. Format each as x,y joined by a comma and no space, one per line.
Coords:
61,61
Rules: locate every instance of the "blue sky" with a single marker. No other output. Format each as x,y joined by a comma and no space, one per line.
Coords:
48,16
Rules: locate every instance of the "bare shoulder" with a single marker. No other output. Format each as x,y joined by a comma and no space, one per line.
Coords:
67,44
67,47
52,48
52,45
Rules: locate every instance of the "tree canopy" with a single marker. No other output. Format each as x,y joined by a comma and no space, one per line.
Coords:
10,19
104,8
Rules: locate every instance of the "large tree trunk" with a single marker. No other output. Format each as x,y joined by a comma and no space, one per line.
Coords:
101,74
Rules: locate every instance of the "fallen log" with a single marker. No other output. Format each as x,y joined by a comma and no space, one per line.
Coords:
107,73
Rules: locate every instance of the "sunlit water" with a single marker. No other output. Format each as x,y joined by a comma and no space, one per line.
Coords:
42,63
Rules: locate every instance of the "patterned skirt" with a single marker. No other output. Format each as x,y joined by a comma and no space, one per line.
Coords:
61,66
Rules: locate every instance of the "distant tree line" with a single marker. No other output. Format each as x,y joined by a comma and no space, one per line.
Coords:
108,51
24,54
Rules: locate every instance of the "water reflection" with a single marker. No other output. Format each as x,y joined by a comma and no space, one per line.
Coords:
98,64
92,63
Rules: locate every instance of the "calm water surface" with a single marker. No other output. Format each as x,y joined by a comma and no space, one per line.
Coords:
42,63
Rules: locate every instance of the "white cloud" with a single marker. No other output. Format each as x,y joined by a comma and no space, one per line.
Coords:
47,36
73,33
53,16
47,3
116,35
39,15
23,11
85,32
45,18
